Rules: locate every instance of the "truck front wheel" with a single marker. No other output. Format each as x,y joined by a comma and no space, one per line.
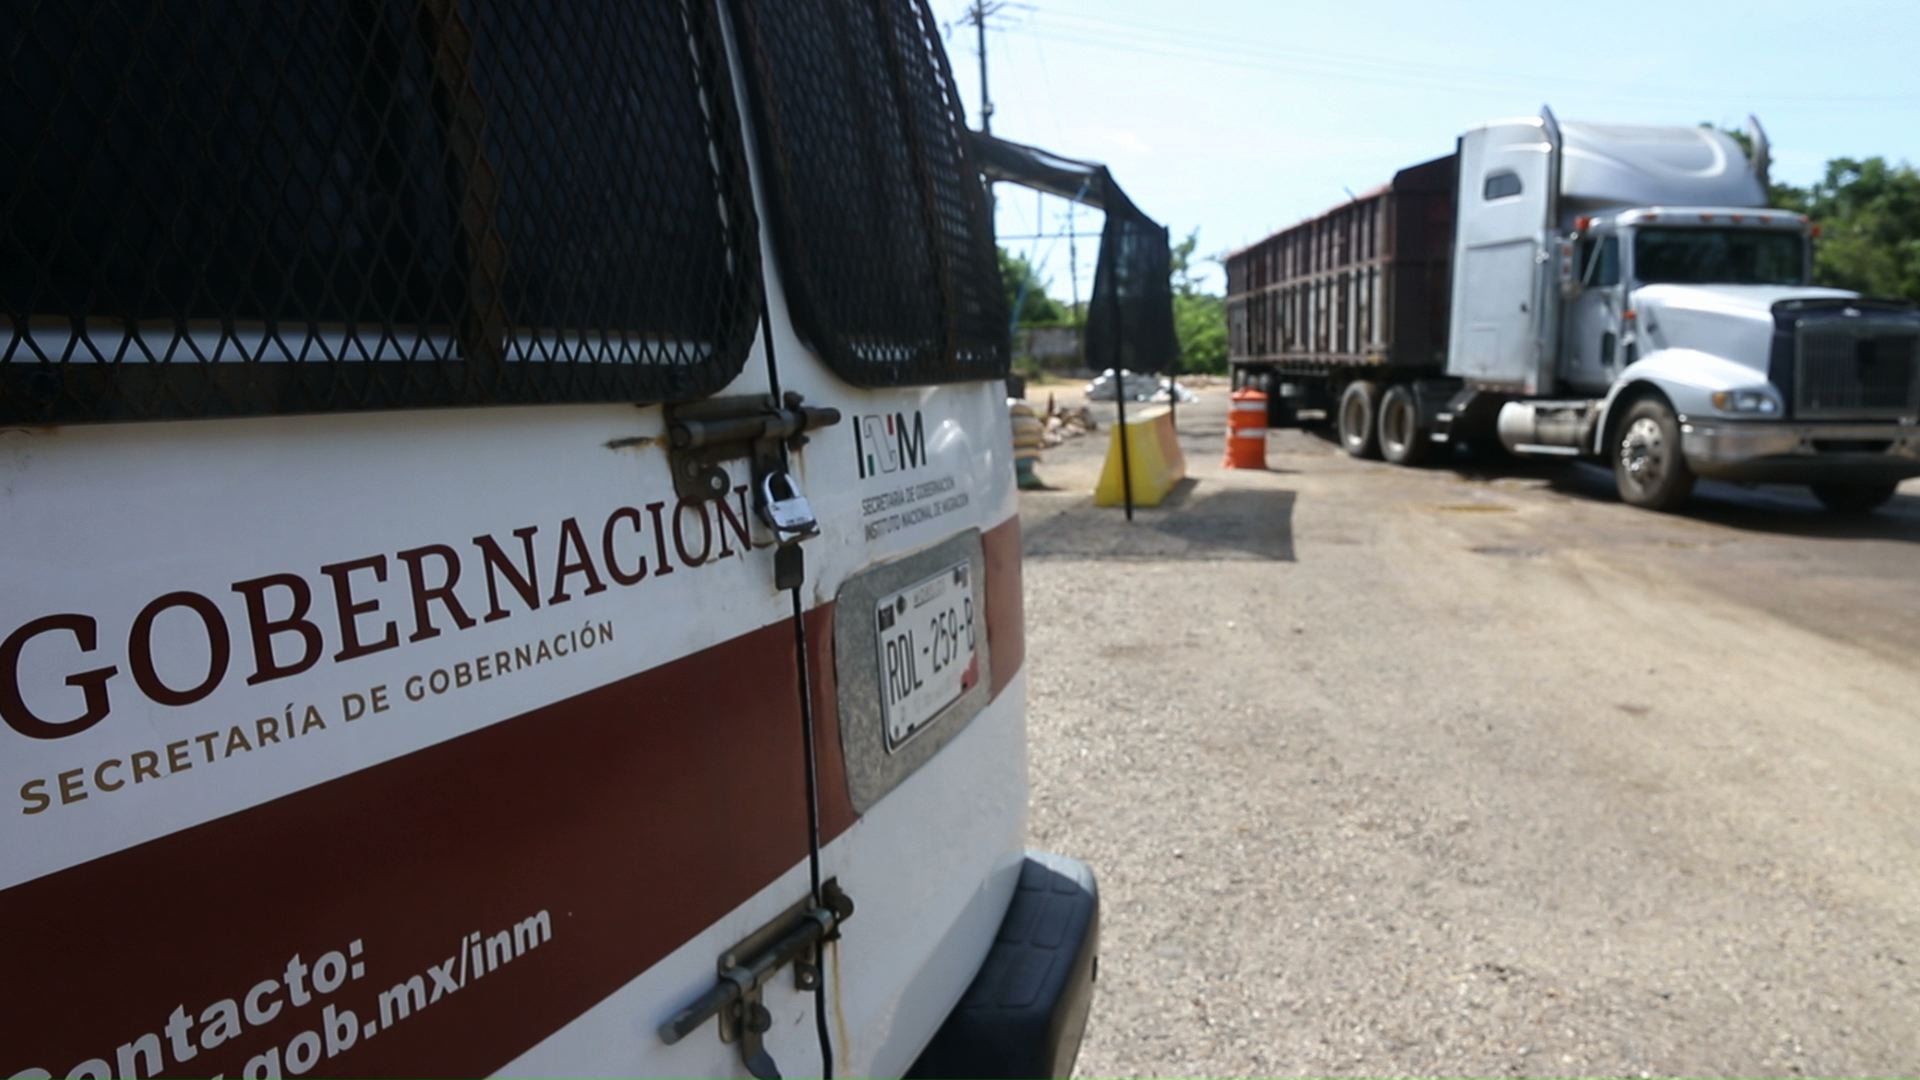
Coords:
1359,406
1648,466
1853,499
1403,440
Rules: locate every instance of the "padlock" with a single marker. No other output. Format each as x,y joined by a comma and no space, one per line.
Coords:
783,508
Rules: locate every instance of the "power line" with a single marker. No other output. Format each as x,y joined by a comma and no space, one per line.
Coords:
1155,32
1046,82
1172,43
1160,32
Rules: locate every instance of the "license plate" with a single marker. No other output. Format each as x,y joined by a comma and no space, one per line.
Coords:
928,655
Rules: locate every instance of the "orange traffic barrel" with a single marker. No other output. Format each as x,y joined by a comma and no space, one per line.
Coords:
1247,430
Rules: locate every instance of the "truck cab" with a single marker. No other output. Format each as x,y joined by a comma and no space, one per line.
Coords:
1772,378
1703,265
1680,334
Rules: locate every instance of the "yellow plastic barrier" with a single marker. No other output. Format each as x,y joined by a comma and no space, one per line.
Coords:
1153,452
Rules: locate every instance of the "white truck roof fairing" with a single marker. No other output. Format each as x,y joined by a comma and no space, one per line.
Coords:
1622,165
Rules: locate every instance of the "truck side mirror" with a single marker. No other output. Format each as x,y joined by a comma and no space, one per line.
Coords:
1568,270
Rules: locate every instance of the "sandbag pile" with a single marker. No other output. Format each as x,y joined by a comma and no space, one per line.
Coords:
1029,434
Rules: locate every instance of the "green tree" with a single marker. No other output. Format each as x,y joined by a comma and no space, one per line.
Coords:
1868,212
1027,289
1199,317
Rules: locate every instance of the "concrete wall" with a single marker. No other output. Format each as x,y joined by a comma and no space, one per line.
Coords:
1054,347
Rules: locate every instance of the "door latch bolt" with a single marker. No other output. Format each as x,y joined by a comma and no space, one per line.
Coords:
744,971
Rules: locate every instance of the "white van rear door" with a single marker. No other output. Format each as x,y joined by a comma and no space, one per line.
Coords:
886,306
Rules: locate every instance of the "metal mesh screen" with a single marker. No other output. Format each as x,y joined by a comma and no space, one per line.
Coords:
1130,317
222,207
879,214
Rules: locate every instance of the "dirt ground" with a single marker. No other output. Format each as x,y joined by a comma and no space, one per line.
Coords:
1475,770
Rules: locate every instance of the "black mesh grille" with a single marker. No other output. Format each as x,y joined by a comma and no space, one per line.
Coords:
226,207
878,212
1848,370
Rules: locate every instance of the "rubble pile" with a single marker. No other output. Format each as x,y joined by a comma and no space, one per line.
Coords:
1069,423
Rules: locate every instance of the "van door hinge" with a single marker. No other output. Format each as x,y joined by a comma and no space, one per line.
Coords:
744,971
703,435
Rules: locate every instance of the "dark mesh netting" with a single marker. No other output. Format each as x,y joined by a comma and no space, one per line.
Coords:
1130,316
221,207
879,214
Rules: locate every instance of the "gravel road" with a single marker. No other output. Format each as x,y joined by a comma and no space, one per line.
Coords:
1447,771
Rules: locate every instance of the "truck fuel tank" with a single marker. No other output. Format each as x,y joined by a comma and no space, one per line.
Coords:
1548,428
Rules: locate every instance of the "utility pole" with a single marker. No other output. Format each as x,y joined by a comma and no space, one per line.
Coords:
1073,259
1073,276
978,14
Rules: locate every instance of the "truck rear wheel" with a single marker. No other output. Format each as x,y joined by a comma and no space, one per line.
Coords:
1853,499
1403,441
1648,466
1359,405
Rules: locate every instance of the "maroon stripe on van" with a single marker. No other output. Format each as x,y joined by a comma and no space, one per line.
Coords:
1006,614
520,873
632,816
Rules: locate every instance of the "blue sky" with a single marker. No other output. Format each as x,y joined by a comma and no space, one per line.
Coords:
1241,117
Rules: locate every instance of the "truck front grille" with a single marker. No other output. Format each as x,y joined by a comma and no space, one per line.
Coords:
1851,370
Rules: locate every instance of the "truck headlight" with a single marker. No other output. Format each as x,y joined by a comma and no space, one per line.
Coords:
1747,401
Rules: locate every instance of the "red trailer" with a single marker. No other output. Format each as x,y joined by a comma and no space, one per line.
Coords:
1356,294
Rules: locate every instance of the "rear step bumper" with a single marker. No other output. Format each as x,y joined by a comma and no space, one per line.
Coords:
1027,1008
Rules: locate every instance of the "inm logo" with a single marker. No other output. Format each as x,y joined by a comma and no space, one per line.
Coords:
889,442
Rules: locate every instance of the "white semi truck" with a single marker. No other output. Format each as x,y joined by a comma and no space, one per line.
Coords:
1584,290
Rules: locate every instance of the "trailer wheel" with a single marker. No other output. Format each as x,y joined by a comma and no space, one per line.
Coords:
1403,441
1853,499
1359,405
1648,466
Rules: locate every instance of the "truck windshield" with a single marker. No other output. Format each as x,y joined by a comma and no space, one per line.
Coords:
1724,256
